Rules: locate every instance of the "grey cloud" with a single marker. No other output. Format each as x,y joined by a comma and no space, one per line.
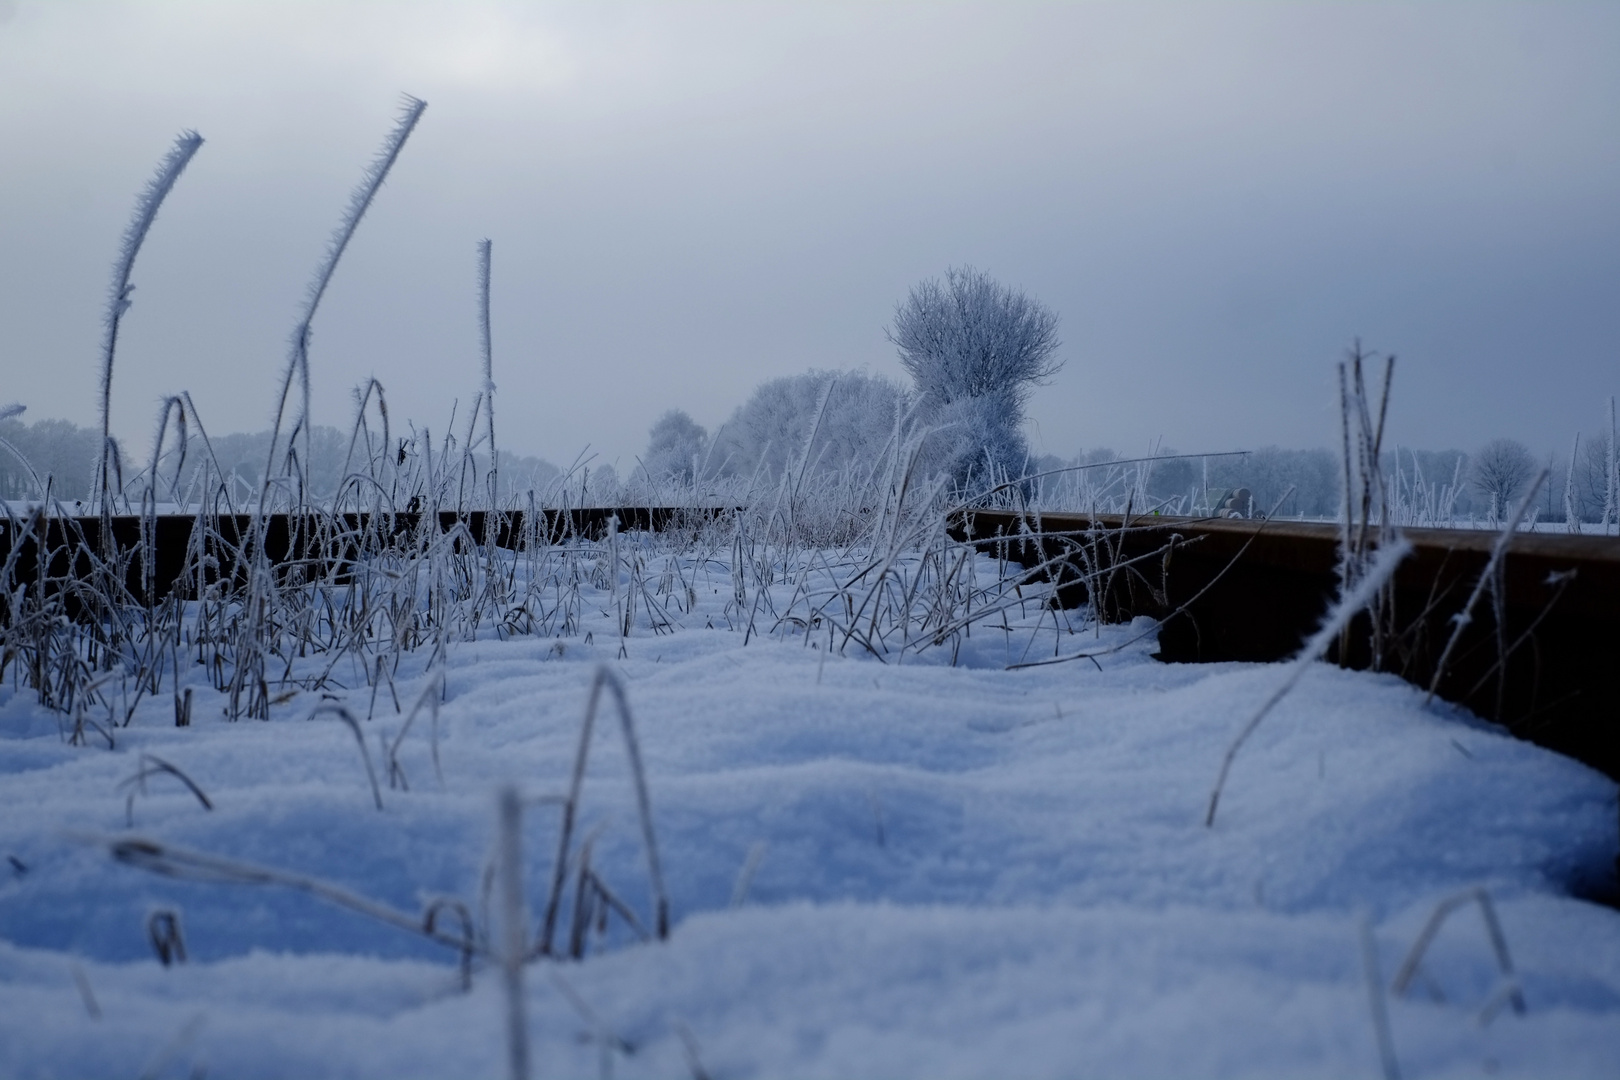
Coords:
689,199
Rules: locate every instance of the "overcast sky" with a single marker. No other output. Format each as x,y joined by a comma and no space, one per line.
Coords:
686,200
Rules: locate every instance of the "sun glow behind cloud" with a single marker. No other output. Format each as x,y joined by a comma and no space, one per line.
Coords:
501,49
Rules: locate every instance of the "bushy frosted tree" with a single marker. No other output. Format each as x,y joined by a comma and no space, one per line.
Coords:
674,445
975,349
769,433
1500,470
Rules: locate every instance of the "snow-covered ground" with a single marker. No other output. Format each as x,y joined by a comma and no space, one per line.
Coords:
875,870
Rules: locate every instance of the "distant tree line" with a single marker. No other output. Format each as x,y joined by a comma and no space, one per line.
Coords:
768,433
57,449
66,454
975,351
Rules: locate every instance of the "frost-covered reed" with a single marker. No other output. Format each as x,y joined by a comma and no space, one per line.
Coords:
360,200
147,205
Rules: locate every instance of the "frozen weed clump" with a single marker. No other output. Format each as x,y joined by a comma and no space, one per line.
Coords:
411,555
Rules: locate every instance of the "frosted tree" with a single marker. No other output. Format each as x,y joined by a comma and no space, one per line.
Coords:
1591,477
56,452
1500,470
771,431
600,486
976,350
674,447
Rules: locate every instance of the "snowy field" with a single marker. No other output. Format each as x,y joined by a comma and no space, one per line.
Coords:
875,869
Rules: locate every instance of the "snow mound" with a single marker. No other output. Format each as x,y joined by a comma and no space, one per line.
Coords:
875,869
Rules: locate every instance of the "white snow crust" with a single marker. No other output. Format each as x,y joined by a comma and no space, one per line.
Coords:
957,871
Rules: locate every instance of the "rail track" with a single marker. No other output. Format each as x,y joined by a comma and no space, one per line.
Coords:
1541,655
156,556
